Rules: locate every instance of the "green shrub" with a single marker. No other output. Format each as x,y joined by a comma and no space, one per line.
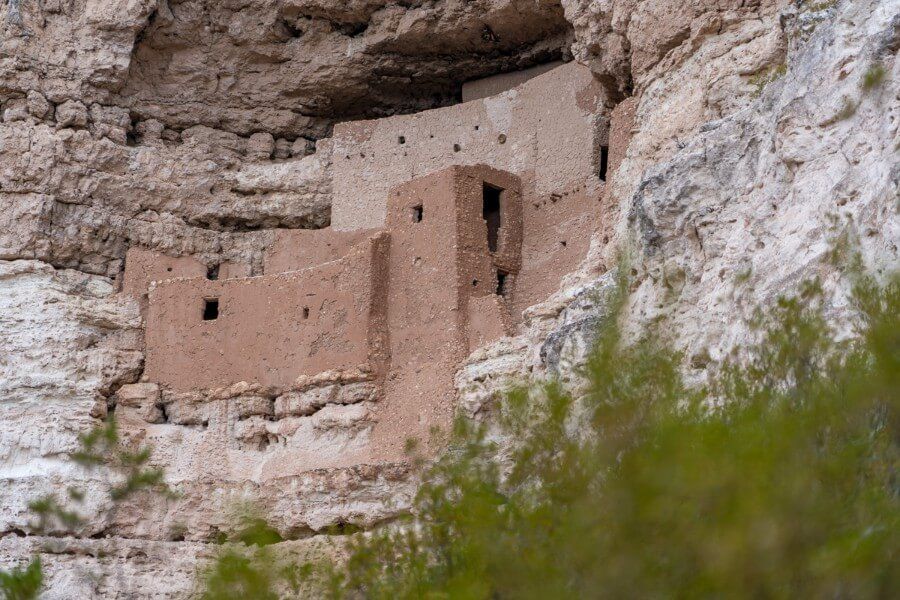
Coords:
22,584
101,448
779,480
873,77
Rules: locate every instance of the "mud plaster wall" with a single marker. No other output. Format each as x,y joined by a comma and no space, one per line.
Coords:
433,263
270,329
558,230
547,131
496,84
142,267
296,249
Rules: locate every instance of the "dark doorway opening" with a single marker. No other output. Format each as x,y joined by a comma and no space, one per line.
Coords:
210,309
604,162
501,282
491,213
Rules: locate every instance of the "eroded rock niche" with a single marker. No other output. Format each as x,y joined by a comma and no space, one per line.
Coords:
345,341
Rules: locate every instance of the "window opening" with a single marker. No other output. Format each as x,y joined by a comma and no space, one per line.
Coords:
212,273
417,214
210,309
501,282
491,214
305,312
604,162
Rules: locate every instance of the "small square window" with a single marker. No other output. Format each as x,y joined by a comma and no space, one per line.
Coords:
417,214
210,309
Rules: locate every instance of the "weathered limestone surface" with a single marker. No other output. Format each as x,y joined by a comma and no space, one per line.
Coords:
200,129
82,196
124,568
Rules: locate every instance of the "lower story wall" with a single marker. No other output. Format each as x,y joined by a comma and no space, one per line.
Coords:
270,329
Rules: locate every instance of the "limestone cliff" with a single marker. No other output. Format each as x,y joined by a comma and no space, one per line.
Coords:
752,133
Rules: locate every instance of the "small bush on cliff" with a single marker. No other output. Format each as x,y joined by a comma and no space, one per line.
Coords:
780,480
22,583
101,448
873,77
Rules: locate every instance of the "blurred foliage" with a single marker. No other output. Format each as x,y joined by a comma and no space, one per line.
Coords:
246,567
22,584
778,480
100,448
873,77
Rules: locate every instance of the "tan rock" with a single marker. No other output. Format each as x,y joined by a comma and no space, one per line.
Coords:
71,113
38,107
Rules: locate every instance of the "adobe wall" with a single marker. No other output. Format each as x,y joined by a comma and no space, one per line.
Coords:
436,266
558,229
270,329
547,131
142,267
496,84
296,249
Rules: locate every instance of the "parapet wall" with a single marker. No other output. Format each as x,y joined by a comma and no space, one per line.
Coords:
269,329
296,249
548,131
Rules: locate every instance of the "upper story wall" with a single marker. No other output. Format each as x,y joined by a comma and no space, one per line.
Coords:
547,131
269,329
497,84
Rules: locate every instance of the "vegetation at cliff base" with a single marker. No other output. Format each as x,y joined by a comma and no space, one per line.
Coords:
778,480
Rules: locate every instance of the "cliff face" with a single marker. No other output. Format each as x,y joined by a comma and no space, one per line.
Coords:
757,131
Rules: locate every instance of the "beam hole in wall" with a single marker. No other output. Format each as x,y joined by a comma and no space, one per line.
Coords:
168,269
490,211
417,214
210,309
501,282
562,243
457,147
401,140
474,283
604,162
212,273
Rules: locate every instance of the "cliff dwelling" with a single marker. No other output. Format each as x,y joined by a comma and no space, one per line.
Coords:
446,224
275,251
